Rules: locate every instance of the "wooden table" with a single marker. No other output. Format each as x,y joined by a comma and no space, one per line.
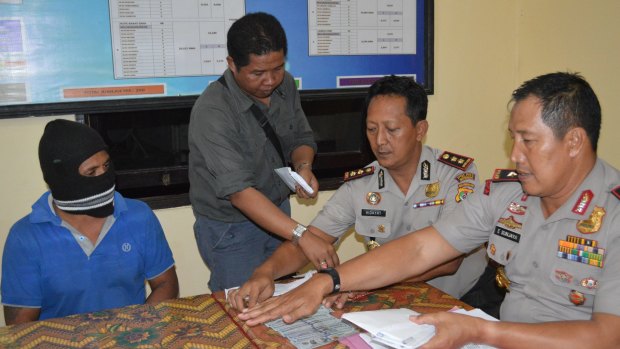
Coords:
203,321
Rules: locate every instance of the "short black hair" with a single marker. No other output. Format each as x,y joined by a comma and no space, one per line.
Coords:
417,100
256,33
567,101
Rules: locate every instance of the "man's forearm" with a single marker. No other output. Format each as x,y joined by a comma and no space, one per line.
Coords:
447,268
406,257
602,330
302,156
286,260
260,210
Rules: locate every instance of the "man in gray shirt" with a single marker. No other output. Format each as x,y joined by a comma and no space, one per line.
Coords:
241,206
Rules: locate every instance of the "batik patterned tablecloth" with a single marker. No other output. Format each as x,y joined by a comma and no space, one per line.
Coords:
204,321
417,296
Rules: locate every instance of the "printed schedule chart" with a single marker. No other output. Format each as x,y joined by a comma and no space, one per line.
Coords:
170,38
361,27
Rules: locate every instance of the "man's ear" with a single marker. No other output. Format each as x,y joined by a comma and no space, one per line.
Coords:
421,129
231,64
576,139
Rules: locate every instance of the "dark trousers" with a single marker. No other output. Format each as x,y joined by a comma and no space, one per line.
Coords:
485,294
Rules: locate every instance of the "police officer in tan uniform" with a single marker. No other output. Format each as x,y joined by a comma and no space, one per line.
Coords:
408,187
371,200
556,232
552,267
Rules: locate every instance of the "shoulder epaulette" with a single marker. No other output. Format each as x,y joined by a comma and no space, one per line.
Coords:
455,160
362,172
505,175
501,175
616,192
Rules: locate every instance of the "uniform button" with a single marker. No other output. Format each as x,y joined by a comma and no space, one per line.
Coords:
545,227
408,228
406,203
372,231
535,264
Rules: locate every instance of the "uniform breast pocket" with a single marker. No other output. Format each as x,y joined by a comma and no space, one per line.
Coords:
377,227
503,246
576,281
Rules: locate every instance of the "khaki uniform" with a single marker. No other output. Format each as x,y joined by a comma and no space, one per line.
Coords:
564,267
380,211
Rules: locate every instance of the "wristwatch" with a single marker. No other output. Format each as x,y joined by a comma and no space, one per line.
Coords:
335,278
298,232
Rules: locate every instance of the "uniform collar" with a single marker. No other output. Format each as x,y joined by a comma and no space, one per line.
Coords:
389,185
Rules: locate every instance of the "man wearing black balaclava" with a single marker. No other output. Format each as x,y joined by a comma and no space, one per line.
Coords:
83,247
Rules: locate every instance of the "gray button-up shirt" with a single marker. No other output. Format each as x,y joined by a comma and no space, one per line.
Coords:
230,152
545,285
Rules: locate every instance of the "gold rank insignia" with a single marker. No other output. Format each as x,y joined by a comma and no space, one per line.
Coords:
455,160
432,190
592,224
381,228
362,172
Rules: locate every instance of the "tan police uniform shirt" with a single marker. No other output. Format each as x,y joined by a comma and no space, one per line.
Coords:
379,209
564,267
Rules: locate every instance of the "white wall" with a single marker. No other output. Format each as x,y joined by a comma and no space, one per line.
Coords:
483,50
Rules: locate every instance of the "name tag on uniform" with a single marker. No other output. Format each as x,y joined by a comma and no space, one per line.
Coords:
507,234
373,213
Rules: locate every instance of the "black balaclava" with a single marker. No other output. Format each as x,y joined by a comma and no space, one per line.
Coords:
63,147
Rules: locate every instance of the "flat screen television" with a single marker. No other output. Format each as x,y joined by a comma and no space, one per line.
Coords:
80,57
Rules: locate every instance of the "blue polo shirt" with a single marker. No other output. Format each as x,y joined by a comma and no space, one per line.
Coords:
43,266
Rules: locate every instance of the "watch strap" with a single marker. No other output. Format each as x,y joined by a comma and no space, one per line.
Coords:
298,232
333,273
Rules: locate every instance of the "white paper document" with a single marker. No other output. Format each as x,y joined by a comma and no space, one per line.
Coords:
392,327
291,178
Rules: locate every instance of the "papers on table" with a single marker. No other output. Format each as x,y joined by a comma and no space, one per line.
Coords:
291,178
392,328
319,329
281,289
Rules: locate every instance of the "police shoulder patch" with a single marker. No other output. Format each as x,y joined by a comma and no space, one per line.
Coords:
455,160
362,172
500,175
505,175
616,192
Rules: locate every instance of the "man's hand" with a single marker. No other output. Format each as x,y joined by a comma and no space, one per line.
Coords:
306,173
451,330
320,253
341,298
258,288
300,302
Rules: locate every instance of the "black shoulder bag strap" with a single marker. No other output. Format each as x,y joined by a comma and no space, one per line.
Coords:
263,122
